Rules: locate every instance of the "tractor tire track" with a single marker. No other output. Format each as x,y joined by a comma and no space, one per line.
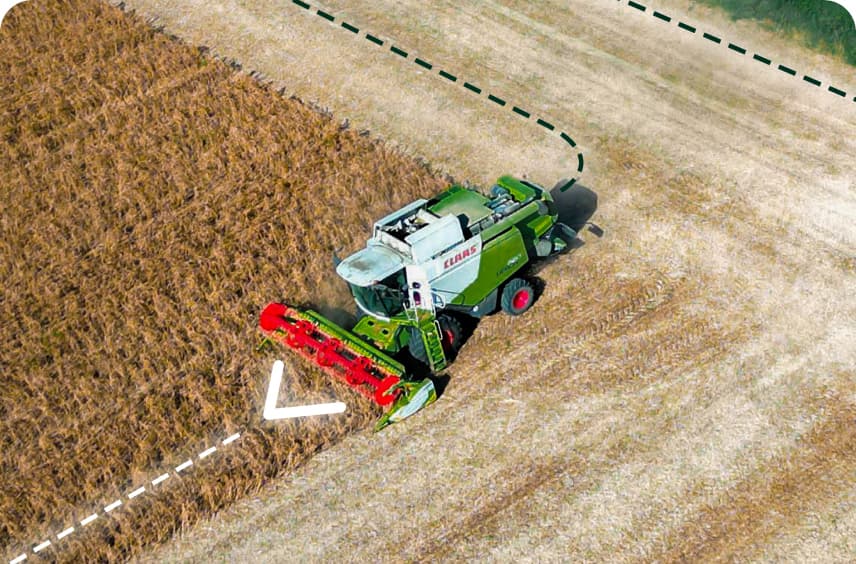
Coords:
511,491
695,342
772,498
594,368
513,488
604,315
650,337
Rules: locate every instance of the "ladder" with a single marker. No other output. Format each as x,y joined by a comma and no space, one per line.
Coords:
429,328
424,316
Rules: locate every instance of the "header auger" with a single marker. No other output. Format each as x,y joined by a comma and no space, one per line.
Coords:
425,265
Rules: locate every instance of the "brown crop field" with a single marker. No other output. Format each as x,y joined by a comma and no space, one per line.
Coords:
682,390
153,200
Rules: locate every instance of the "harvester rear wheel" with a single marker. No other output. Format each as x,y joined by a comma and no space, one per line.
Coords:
450,329
517,296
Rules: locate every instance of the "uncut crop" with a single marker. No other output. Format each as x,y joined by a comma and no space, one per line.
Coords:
153,201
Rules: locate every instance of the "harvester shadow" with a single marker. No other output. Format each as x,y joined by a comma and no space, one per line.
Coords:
576,205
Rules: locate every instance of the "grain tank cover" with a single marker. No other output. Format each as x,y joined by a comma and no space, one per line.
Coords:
370,265
435,238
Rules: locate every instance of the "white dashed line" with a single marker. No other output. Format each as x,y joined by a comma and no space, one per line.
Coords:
136,492
183,465
232,438
89,519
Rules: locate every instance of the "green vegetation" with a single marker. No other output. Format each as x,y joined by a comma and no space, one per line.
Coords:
820,24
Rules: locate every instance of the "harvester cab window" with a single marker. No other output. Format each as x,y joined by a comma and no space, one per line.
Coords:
384,298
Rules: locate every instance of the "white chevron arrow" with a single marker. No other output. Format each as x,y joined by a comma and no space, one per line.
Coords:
273,412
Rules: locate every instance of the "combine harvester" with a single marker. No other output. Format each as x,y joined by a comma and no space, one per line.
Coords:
455,254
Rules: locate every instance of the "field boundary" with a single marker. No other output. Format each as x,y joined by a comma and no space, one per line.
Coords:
736,49
136,492
452,78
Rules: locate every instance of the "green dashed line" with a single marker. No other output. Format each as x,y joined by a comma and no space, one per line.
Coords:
732,46
493,98
567,138
471,87
742,51
568,184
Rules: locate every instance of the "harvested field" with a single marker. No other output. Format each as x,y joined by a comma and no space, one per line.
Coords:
153,201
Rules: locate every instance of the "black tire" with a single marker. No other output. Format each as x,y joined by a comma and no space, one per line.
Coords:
450,332
517,296
417,347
